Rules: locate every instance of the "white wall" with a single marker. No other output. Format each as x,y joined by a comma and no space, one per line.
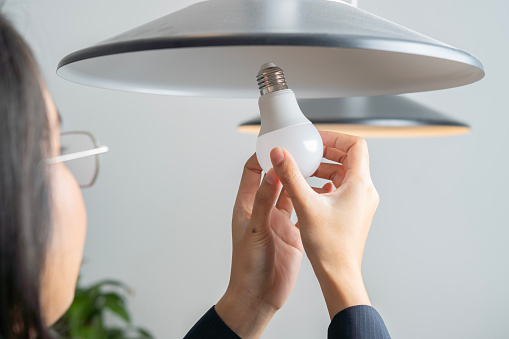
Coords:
159,216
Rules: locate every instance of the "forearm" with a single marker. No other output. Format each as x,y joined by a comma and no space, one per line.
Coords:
342,287
247,317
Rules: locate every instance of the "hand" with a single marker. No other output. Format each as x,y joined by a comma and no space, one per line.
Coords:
267,252
334,226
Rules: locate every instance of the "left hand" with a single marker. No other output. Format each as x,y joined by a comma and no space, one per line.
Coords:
267,252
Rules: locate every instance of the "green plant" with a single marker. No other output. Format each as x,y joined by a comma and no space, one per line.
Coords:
85,319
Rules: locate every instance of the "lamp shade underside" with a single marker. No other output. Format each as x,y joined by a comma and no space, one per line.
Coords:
327,49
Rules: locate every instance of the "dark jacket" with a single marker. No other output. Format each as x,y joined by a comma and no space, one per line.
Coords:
356,322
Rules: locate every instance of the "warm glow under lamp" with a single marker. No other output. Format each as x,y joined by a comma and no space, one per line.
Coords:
328,48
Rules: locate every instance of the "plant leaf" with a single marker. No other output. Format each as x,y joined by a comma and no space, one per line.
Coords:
145,333
111,283
115,303
81,313
115,333
97,329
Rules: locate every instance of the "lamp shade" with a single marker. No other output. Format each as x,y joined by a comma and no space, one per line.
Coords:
327,48
374,117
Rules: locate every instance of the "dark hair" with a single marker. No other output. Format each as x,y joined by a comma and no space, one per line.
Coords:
24,190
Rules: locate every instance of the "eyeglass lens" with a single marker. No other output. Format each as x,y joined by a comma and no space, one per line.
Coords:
83,169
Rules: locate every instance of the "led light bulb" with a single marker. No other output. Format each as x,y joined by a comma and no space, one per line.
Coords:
284,125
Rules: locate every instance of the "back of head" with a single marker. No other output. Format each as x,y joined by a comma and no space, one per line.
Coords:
24,194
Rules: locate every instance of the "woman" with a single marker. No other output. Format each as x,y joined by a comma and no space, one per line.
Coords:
43,223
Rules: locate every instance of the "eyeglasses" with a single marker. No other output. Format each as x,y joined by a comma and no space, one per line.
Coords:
80,151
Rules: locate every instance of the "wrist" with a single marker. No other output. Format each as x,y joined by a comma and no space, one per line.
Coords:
342,287
245,315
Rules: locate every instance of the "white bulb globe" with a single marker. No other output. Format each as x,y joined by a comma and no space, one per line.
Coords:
302,141
284,125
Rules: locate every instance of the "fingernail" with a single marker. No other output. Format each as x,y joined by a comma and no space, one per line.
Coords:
277,156
271,177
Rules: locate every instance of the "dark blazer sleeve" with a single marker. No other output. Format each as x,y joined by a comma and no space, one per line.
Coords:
358,322
211,326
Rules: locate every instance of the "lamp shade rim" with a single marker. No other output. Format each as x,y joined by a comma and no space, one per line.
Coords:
381,122
280,39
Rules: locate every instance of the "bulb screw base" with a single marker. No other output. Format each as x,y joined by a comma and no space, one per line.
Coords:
270,79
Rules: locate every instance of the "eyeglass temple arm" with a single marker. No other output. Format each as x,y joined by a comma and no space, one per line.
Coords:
78,155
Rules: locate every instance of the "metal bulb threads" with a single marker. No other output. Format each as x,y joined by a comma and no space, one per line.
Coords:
270,79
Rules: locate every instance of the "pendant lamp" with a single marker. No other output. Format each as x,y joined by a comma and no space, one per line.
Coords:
327,48
373,117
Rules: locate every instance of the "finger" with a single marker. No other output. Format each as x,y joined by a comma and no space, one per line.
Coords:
327,188
355,148
319,190
333,154
285,230
333,172
284,203
291,178
249,184
264,201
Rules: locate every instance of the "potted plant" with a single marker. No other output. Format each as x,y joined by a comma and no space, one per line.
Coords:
85,319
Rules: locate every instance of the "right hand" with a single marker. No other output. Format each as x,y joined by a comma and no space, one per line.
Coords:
334,226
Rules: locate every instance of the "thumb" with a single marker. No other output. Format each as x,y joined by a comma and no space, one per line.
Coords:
293,182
